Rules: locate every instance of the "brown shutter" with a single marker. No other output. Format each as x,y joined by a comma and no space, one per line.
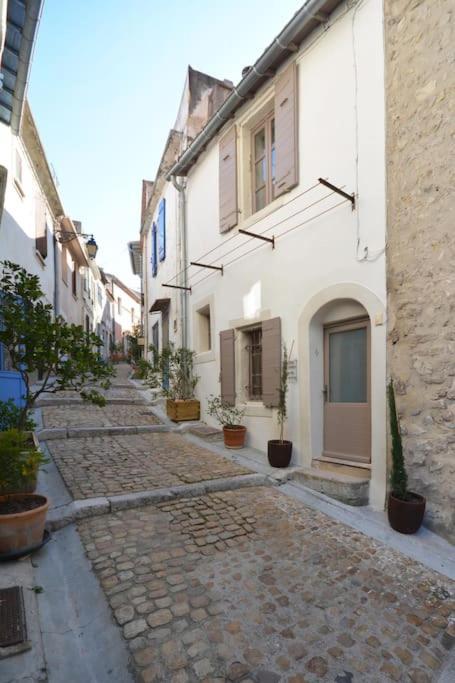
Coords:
286,130
64,263
40,227
271,361
227,366
228,181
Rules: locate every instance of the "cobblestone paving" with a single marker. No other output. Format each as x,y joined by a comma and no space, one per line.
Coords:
112,392
94,416
250,585
109,465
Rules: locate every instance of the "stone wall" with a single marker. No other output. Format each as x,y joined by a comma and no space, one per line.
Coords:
420,94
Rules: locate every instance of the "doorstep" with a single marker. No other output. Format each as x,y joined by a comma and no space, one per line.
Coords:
349,489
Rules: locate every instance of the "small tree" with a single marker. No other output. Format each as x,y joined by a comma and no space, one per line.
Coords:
398,476
227,415
64,356
283,390
176,366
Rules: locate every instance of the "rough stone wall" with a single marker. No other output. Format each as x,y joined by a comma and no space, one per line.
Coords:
420,95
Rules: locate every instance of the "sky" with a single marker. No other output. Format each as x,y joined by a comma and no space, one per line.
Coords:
105,86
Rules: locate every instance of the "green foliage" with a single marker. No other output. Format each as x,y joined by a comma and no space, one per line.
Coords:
64,355
143,369
398,476
134,350
227,416
19,461
10,416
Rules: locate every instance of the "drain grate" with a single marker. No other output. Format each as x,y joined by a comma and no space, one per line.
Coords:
13,628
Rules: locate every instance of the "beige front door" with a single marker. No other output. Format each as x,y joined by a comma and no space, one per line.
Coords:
347,414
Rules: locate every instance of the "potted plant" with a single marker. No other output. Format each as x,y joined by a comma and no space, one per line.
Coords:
230,418
405,508
63,356
22,515
279,451
179,384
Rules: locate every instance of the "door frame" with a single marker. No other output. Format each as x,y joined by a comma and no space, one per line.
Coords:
346,326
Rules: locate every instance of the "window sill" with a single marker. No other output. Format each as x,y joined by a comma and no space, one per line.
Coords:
257,409
40,259
205,357
19,188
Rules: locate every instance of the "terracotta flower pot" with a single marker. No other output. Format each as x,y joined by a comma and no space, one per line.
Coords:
22,529
279,452
234,437
406,516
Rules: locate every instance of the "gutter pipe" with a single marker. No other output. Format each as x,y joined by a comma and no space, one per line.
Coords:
311,10
180,187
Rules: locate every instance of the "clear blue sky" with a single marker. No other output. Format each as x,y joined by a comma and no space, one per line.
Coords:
105,85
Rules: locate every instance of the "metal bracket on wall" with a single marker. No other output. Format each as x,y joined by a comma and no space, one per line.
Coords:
338,190
259,237
187,289
207,265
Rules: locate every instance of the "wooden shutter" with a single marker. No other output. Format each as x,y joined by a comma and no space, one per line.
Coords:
227,366
228,181
40,227
271,361
162,230
64,264
286,130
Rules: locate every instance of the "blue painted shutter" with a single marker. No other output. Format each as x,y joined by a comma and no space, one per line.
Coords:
154,252
162,229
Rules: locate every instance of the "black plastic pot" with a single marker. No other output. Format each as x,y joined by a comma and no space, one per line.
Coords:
279,452
406,516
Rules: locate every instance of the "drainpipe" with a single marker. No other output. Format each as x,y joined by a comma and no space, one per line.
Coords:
180,187
56,277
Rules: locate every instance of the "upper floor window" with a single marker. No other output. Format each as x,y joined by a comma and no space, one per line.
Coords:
74,279
18,168
119,306
264,163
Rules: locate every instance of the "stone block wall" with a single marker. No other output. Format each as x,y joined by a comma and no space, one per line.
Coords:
420,110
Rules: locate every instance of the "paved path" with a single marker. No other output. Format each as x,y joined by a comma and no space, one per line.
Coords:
247,585
94,416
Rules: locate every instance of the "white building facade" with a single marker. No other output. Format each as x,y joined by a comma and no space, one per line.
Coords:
311,108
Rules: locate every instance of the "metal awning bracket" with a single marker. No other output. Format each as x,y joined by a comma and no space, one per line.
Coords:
259,237
338,190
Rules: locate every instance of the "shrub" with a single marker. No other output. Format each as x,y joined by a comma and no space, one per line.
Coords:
398,476
10,417
19,461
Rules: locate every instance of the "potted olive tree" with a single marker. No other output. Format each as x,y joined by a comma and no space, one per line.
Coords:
230,418
405,508
279,451
179,384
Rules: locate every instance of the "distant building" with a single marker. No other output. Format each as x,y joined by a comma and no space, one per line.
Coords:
126,311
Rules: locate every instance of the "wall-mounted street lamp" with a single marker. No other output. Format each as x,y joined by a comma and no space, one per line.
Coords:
66,236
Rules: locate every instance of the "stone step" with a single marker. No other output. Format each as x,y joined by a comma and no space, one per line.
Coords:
207,433
348,489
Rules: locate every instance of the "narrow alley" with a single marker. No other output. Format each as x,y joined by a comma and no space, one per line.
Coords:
241,583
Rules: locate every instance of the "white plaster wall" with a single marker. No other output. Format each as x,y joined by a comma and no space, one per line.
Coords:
167,269
341,137
17,228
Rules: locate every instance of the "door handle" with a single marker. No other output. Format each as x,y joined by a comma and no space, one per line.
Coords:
325,391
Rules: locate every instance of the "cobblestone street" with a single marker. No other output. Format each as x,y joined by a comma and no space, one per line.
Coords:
252,586
245,585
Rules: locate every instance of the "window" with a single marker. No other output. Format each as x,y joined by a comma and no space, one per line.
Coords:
119,306
64,265
74,279
156,336
100,295
264,163
204,333
40,227
254,348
